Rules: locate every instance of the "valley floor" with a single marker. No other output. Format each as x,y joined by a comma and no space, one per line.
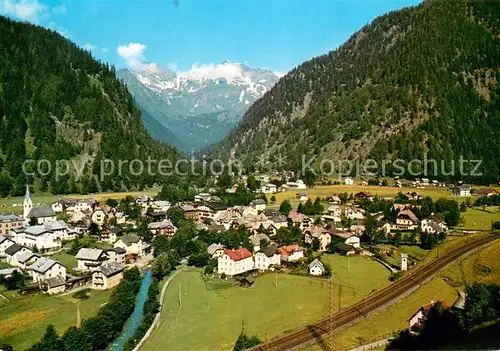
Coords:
207,319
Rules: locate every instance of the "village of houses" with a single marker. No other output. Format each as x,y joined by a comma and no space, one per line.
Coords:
27,242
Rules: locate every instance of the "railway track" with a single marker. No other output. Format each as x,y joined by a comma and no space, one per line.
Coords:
412,280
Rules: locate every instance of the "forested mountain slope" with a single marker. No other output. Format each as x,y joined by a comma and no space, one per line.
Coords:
423,80
57,102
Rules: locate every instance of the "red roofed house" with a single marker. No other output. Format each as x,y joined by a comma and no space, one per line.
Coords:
235,262
418,316
291,253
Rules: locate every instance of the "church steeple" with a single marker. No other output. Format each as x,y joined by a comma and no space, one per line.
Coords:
27,204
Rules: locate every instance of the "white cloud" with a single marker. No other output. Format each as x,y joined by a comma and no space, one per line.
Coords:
227,70
279,74
60,29
28,10
133,54
131,51
60,9
89,47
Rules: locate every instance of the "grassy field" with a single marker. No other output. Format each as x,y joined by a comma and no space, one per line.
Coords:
359,276
415,254
384,191
23,319
478,219
4,265
66,259
482,266
9,204
382,324
212,319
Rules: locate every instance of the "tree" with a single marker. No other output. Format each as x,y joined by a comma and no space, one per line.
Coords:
200,259
452,217
112,203
273,199
244,342
162,266
50,341
33,221
463,207
264,197
175,214
495,225
481,304
144,232
318,207
285,207
315,244
428,241
161,244
209,269
252,183
76,339
93,229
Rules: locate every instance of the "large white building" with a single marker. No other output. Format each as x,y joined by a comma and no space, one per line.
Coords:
235,262
90,259
48,236
107,276
132,244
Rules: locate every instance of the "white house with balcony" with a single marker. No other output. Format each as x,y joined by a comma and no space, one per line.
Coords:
108,275
90,259
132,244
45,268
267,257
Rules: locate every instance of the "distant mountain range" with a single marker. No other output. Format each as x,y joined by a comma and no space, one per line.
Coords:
194,109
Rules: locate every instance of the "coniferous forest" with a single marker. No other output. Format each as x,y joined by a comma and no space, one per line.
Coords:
415,82
57,102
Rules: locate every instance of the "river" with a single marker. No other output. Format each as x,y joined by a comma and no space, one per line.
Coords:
136,317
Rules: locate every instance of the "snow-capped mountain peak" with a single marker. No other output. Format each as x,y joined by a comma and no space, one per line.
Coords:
207,96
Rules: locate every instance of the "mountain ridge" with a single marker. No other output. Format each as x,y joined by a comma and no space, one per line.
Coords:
60,105
199,106
413,82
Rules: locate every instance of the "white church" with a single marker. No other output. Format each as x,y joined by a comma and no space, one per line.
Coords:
41,215
47,233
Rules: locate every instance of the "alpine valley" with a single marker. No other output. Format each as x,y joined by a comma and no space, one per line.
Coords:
200,106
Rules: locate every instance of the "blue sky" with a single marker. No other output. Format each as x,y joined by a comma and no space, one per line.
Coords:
274,34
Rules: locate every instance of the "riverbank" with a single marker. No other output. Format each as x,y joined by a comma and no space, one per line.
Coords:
157,317
135,319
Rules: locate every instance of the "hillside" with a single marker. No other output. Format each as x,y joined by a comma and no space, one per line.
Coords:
58,103
200,106
423,80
